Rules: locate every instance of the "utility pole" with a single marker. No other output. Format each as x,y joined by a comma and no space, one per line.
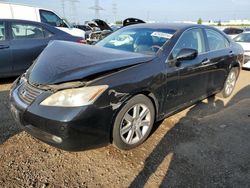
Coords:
73,10
114,8
63,7
97,8
148,16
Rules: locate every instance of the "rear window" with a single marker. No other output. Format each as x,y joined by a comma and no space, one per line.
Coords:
2,31
216,40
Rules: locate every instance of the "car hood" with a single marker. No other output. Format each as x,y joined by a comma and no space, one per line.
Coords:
67,61
102,24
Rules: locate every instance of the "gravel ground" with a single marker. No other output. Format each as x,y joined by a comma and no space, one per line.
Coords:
206,145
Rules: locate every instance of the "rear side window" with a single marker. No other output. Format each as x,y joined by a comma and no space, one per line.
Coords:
28,31
216,41
2,31
192,39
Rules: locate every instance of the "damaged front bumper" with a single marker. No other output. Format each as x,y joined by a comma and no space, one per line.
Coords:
70,129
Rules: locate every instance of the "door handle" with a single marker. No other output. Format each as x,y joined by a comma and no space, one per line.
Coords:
205,61
231,53
3,47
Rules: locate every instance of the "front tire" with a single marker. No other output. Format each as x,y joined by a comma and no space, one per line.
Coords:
133,123
230,83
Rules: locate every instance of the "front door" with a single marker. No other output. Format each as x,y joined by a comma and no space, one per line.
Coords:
193,74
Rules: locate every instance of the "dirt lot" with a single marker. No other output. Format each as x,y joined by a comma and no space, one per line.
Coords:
207,145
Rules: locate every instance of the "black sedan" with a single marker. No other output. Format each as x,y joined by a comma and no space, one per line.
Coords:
77,97
22,41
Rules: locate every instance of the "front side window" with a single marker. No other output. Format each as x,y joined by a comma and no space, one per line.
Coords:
51,18
27,31
191,39
216,41
138,40
2,31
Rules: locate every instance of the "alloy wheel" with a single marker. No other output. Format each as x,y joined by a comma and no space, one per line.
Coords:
230,83
135,124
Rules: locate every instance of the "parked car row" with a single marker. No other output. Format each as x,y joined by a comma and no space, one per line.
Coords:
77,97
22,41
98,29
24,12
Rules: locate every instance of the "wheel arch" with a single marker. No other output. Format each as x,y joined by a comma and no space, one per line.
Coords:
235,64
146,93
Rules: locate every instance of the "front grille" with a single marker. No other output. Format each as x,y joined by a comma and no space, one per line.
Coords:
28,93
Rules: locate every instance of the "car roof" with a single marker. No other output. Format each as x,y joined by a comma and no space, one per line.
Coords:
172,26
54,29
20,20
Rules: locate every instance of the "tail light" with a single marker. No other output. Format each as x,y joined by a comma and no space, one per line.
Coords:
82,41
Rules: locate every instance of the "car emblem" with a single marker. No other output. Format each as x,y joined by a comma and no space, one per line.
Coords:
24,92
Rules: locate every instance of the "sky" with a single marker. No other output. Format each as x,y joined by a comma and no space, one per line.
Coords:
157,10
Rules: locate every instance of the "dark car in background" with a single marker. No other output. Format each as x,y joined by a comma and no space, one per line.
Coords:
22,41
83,27
114,91
233,31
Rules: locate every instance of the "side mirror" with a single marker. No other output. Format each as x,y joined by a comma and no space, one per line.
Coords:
187,54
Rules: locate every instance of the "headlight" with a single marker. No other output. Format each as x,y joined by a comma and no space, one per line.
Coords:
75,97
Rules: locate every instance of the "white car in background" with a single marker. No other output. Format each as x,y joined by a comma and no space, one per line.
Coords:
24,12
244,40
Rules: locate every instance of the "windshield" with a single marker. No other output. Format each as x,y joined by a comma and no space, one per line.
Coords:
244,37
139,40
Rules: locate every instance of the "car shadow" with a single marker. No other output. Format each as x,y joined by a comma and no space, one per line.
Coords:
7,80
8,126
209,147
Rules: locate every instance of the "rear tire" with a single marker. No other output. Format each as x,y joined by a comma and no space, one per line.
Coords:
229,83
133,123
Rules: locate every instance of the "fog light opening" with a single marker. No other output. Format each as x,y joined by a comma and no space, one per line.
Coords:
57,139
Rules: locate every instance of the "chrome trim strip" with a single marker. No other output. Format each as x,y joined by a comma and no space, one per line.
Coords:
17,100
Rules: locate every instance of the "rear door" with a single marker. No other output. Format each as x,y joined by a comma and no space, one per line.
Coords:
5,53
220,56
28,41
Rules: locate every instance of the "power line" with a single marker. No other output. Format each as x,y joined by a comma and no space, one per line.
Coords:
114,9
97,8
73,10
